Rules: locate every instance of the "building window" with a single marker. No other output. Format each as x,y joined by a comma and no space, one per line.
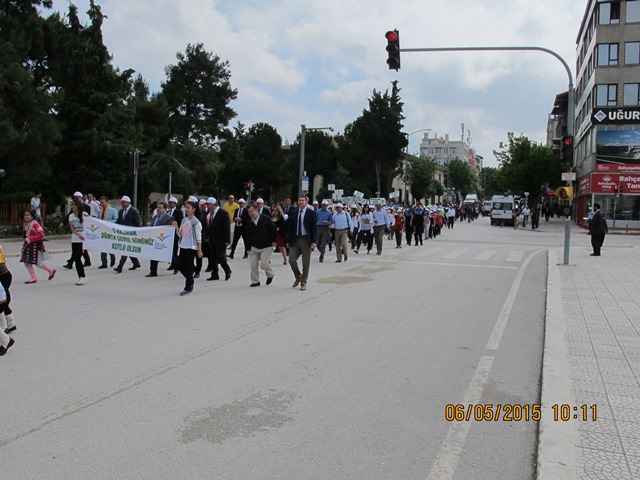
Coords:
632,53
606,95
609,13
631,94
607,54
633,11
452,150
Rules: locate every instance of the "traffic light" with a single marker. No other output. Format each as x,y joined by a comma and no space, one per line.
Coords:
393,49
616,189
557,146
620,189
567,148
248,187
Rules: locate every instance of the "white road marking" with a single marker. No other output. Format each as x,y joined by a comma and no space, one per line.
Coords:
503,318
485,255
456,253
451,450
515,256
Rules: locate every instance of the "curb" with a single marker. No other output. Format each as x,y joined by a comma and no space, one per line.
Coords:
556,440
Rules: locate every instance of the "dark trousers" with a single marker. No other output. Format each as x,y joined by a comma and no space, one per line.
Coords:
398,238
6,283
419,232
597,240
123,259
450,222
408,229
103,259
205,253
186,265
76,257
218,257
237,233
364,236
174,258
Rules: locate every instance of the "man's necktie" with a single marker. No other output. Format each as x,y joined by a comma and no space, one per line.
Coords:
300,223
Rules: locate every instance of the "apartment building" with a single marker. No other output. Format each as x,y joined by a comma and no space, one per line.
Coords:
607,111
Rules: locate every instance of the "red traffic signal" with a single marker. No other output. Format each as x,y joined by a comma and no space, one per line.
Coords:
567,148
616,188
393,49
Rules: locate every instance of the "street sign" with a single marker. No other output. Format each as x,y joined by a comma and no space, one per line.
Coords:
568,176
305,184
331,187
526,194
394,194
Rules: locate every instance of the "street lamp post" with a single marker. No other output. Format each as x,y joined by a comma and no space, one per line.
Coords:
417,131
303,131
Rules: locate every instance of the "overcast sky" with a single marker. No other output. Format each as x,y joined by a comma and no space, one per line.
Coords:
316,63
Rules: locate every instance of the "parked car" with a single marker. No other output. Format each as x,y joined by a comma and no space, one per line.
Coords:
485,209
503,210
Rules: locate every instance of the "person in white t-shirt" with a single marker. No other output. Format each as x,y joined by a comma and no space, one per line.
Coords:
76,224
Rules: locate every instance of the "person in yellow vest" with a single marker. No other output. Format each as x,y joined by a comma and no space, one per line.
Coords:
231,206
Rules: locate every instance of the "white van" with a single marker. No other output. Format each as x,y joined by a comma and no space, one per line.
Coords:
502,210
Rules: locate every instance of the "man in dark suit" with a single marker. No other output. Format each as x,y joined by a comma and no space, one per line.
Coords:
162,218
264,210
128,216
301,240
241,219
219,233
597,229
177,215
261,237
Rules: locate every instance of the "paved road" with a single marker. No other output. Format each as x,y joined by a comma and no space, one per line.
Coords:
122,378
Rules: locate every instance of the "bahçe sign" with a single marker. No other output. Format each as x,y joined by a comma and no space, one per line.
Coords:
604,182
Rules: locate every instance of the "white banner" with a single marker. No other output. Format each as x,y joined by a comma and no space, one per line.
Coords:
151,243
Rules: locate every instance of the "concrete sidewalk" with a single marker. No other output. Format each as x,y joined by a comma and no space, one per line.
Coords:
592,363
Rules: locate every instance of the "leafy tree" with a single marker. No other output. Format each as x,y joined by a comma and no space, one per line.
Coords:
198,91
527,167
28,131
263,158
420,177
375,141
461,177
490,182
90,99
233,176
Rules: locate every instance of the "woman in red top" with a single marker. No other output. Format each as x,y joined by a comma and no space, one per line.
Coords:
398,228
33,235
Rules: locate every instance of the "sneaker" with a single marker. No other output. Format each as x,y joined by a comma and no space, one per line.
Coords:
68,266
185,292
81,281
52,274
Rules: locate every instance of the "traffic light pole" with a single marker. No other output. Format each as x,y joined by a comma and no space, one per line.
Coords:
570,107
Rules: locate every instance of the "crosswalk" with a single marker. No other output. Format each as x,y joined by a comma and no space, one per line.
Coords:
435,253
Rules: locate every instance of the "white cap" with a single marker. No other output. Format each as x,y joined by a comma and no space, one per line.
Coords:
202,201
339,205
242,200
324,202
192,199
315,202
77,194
260,200
173,199
125,199
211,200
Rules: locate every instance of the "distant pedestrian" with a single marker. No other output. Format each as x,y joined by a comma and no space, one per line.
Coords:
190,243
6,342
129,216
262,235
301,239
7,323
76,224
597,228
343,230
33,247
108,214
365,230
162,217
398,227
380,226
36,206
